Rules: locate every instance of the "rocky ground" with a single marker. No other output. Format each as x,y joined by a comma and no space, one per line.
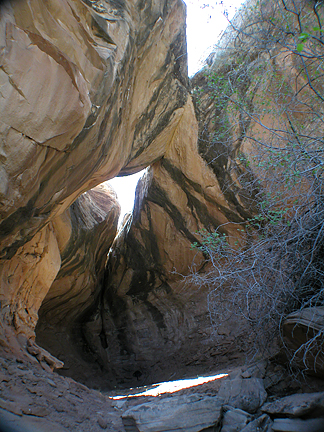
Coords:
262,396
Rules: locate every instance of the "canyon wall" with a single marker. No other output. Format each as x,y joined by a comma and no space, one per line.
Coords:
91,90
237,147
85,96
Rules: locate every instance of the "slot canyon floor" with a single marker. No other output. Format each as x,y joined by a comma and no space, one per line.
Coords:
35,400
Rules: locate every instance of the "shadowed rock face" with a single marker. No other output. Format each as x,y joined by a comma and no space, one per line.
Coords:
86,94
62,266
89,90
85,233
149,313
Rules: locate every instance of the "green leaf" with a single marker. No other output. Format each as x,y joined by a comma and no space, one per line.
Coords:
303,36
300,47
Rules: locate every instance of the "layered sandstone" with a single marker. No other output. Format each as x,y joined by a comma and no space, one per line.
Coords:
149,312
211,177
91,90
74,111
85,96
61,268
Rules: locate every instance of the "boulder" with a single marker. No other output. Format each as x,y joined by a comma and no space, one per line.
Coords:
234,420
247,394
192,413
303,336
296,405
262,423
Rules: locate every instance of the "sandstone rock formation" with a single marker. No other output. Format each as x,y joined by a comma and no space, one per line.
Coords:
149,311
60,269
85,232
85,96
300,412
211,176
82,115
91,90
303,334
26,279
193,414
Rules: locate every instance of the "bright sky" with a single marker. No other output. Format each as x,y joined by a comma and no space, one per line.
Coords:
125,189
205,23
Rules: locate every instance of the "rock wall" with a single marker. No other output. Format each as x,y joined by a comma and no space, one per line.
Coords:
79,115
61,268
85,233
149,313
211,176
26,279
89,90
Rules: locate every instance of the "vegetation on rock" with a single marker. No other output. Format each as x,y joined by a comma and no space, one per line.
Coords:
260,105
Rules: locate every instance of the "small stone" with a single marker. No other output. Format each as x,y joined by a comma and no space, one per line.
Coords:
256,371
102,422
262,423
45,366
37,411
234,420
118,403
51,382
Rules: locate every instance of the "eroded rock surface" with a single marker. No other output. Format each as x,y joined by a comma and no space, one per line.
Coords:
26,279
84,233
80,113
190,413
296,405
36,400
149,310
89,90
208,178
71,250
246,394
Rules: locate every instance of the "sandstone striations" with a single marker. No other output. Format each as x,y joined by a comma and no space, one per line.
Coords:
212,176
86,95
82,115
149,311
62,267
94,89
84,233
